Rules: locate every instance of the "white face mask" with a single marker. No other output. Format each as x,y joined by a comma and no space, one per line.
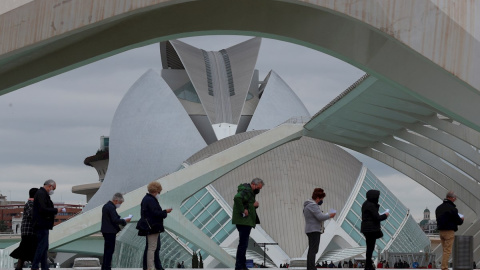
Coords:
51,192
158,197
118,205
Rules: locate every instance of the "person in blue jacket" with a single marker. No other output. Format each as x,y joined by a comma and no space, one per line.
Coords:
151,225
111,222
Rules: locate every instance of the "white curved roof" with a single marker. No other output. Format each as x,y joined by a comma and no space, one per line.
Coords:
291,172
141,148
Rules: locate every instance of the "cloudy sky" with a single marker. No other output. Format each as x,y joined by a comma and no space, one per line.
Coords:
49,128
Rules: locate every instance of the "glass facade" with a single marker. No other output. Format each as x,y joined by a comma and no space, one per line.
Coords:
409,239
208,215
130,247
202,210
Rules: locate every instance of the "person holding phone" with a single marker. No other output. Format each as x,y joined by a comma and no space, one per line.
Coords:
151,225
370,226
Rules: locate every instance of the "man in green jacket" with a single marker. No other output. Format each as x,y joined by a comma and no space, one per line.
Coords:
244,216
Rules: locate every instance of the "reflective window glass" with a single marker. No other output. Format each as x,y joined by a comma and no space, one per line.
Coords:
214,208
347,227
222,217
200,193
357,208
204,217
221,236
189,203
213,226
196,209
189,216
229,227
206,199
207,231
355,235
352,217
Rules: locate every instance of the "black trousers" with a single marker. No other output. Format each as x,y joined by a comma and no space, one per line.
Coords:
313,242
370,239
108,250
241,258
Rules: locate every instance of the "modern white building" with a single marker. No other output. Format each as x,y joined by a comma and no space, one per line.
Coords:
206,102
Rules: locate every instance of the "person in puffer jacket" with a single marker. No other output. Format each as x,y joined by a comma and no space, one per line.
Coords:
371,224
314,219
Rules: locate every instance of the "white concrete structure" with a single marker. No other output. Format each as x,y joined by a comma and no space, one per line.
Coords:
427,52
398,129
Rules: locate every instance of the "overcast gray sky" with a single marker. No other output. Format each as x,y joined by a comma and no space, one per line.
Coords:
49,128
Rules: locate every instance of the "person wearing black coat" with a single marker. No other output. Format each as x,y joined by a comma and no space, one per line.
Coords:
370,226
28,245
43,218
151,225
111,222
447,222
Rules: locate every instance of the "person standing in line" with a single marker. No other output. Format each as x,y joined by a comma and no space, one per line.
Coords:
314,219
244,216
447,223
151,225
370,226
110,227
43,218
28,244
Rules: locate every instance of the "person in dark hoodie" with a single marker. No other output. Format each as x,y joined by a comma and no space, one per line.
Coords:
371,224
244,216
314,219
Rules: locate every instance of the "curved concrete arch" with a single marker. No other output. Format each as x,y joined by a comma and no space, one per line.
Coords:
432,186
368,34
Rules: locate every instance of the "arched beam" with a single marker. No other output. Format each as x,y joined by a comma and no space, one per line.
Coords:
370,41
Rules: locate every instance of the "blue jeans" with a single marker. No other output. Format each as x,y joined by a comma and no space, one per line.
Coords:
108,250
156,260
42,250
244,234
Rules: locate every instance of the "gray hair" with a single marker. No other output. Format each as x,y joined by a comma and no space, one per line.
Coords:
451,194
257,181
118,197
49,182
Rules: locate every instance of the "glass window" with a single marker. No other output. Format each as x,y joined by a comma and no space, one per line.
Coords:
357,208
347,227
200,193
356,236
214,208
221,236
229,227
196,209
189,203
207,231
352,217
213,226
204,217
222,217
189,216
197,223
389,228
206,199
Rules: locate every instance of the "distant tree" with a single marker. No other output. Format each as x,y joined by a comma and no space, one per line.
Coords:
3,226
200,265
194,260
